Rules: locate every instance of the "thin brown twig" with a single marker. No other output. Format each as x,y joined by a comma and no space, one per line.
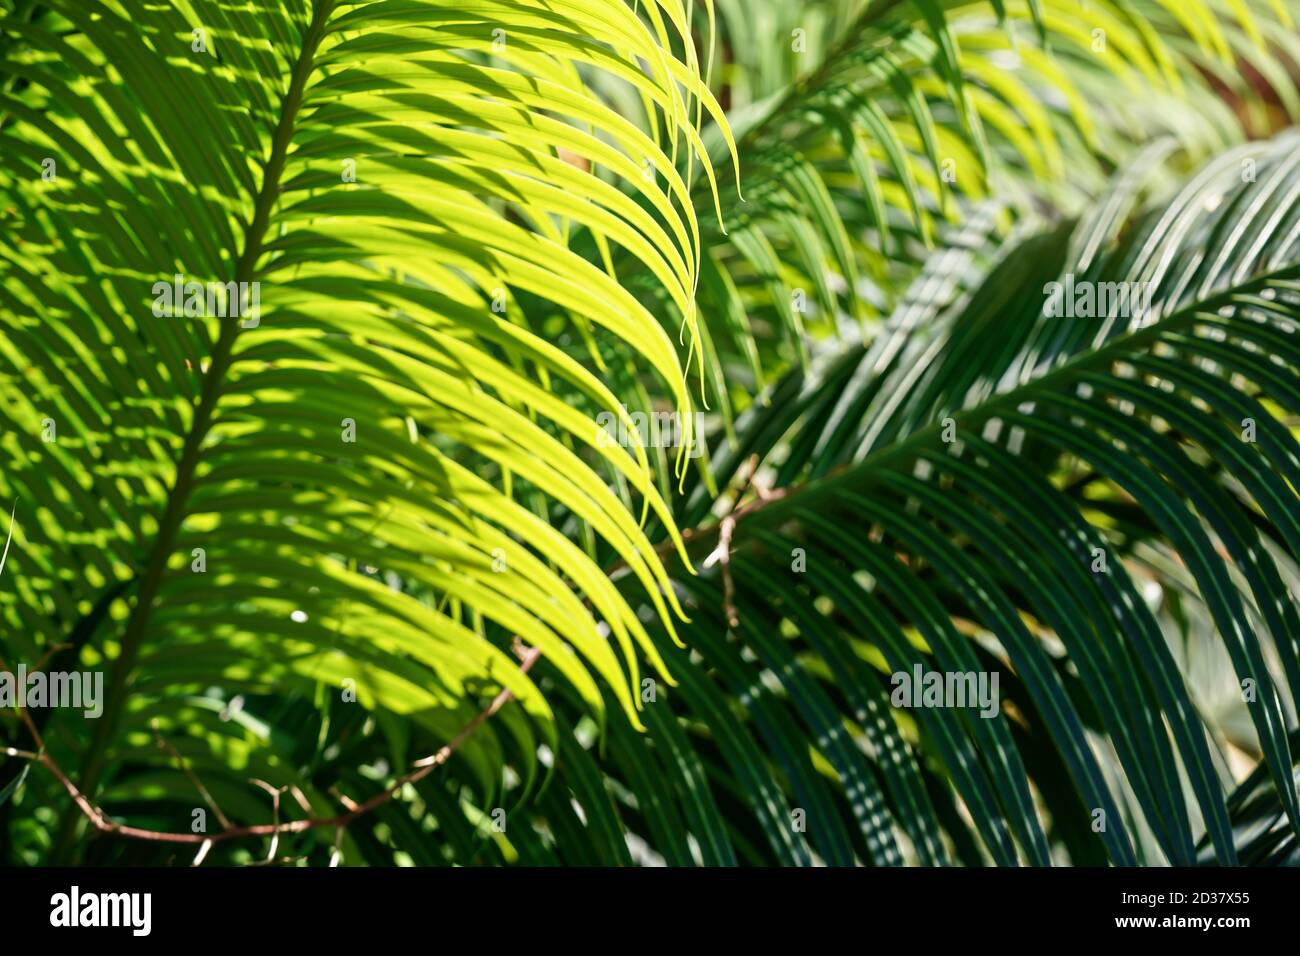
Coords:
421,769
49,653
721,555
194,779
25,717
275,793
700,536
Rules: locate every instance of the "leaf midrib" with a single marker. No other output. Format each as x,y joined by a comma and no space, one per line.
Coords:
213,381
764,512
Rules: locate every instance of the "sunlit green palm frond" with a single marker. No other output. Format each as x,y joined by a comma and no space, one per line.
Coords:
349,481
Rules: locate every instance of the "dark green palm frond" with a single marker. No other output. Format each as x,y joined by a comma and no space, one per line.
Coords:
983,509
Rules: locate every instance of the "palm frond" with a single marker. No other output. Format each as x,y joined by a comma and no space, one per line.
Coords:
348,478
978,499
921,111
